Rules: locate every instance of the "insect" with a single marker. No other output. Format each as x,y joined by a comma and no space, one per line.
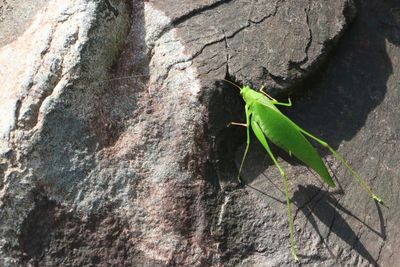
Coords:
267,122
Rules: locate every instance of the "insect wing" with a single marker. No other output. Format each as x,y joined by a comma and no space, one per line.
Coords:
284,133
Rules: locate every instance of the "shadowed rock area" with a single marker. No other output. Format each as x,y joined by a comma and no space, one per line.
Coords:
114,149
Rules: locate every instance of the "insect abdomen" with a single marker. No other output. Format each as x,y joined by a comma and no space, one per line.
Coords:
281,131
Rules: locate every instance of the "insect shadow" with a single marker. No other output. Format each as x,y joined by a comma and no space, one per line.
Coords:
320,206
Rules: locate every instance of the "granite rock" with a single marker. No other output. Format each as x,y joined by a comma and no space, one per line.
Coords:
114,149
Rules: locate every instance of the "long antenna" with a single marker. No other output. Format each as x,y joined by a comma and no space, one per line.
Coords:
234,84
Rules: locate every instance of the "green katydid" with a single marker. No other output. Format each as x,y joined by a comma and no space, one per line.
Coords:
268,122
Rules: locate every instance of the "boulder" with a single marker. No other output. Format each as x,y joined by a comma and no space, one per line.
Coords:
114,149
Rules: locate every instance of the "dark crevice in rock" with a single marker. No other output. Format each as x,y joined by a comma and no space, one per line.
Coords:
46,92
192,13
3,168
200,51
227,55
17,112
310,38
378,257
260,21
198,11
234,33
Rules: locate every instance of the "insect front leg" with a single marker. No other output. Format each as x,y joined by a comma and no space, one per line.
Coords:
247,140
340,158
260,136
237,124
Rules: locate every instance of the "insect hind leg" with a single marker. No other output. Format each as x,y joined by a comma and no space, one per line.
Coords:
361,181
260,135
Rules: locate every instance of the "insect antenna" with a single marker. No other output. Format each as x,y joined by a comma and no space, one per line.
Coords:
234,84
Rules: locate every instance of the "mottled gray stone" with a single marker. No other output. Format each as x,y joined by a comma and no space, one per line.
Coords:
15,17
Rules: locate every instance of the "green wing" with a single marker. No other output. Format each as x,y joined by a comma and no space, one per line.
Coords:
285,134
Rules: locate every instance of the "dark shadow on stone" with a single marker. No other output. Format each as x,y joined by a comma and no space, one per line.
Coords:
323,207
319,206
224,105
355,81
381,221
34,237
265,194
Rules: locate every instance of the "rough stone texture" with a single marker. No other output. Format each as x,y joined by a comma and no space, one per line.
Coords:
15,17
95,172
271,42
114,150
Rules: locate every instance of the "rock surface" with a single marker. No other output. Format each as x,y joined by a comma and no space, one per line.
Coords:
114,150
